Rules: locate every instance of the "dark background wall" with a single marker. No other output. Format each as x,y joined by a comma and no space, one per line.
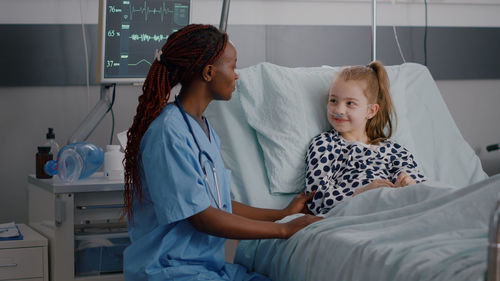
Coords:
53,54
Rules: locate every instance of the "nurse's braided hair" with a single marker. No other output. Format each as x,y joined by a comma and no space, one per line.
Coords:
182,58
376,89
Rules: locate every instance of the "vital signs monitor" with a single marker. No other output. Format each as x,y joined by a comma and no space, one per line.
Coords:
130,31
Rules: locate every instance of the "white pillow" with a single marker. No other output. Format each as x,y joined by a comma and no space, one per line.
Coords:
425,127
281,104
287,108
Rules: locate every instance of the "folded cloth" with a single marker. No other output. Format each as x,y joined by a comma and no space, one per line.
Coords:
10,231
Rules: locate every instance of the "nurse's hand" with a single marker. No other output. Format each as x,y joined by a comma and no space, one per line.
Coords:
297,224
298,204
220,223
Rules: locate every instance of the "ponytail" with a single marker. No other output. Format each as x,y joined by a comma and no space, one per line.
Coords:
375,127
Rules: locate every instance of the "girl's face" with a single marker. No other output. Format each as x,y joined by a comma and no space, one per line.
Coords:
349,110
224,80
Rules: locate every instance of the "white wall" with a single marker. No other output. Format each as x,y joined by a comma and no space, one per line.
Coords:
26,112
297,12
25,115
474,105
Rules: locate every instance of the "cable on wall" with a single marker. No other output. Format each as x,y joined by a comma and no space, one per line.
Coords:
112,114
86,54
397,42
425,34
396,36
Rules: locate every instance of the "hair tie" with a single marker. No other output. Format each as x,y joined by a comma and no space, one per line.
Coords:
158,54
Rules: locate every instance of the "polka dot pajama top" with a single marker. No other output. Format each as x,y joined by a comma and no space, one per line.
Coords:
335,167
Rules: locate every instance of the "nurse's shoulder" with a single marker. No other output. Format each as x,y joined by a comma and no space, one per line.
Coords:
168,127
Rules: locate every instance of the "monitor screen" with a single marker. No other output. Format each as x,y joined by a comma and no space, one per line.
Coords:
130,31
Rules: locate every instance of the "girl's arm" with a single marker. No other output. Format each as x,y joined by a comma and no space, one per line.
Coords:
408,172
376,183
404,180
297,205
315,171
320,161
223,224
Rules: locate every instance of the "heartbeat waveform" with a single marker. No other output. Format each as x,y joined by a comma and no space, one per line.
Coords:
117,64
146,37
145,10
139,62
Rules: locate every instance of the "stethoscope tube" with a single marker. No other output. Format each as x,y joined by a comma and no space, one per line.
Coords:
202,153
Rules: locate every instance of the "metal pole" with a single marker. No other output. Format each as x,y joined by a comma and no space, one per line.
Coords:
374,30
224,15
493,269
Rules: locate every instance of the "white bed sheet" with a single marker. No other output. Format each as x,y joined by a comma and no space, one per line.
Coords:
424,232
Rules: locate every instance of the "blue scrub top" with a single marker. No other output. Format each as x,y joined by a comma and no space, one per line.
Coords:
165,246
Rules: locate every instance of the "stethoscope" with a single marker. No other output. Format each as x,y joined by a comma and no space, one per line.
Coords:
200,155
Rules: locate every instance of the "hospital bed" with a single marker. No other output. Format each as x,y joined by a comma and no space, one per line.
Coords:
437,230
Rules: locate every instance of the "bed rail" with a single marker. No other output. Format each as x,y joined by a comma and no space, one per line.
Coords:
493,271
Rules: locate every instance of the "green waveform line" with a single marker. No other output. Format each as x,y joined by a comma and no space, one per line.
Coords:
139,62
146,37
145,10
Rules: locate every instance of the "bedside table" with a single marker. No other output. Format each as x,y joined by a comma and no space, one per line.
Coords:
25,259
62,212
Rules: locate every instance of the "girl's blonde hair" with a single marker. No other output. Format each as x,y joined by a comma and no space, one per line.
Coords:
376,90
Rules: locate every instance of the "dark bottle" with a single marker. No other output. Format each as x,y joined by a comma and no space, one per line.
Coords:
43,155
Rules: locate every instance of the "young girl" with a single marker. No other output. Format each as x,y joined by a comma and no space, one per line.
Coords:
357,154
177,196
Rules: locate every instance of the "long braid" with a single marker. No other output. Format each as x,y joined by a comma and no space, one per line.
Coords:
184,56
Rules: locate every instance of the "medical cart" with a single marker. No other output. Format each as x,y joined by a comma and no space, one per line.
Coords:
82,222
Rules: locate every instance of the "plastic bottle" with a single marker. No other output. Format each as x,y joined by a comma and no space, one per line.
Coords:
42,156
51,141
113,165
75,161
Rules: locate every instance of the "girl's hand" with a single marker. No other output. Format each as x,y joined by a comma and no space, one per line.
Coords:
291,227
374,184
298,204
404,180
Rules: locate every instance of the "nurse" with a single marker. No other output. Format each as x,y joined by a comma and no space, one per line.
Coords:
177,190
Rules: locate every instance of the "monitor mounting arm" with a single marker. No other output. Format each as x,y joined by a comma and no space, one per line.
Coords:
94,117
